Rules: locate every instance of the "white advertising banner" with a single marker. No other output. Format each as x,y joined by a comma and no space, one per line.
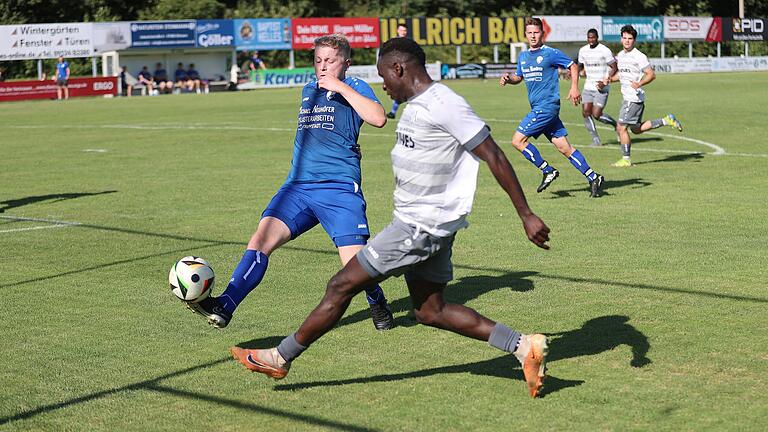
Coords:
569,28
112,36
370,74
706,64
41,41
687,28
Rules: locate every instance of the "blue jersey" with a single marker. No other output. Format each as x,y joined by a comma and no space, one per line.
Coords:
325,147
539,69
180,75
61,70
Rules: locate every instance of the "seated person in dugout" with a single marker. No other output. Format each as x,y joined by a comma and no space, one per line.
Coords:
145,78
160,77
180,77
194,82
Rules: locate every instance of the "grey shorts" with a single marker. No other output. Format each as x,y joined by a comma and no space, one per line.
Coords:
402,249
594,97
631,113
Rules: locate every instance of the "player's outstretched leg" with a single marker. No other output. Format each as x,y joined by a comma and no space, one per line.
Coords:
530,152
589,123
431,310
381,314
671,120
580,163
266,361
605,118
532,353
247,275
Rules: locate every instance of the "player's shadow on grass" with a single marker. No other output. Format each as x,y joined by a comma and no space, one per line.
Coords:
158,386
462,291
634,183
506,367
599,335
15,203
685,157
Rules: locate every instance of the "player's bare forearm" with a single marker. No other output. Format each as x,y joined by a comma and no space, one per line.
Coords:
510,79
574,95
648,76
535,229
614,69
574,70
370,111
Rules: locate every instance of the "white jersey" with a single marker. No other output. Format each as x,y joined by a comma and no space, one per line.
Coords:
597,64
435,171
631,66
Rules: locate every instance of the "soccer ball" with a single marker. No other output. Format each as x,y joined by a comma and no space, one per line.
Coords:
191,279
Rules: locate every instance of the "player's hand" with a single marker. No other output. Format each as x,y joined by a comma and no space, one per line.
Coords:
635,84
505,79
601,85
575,96
330,82
536,230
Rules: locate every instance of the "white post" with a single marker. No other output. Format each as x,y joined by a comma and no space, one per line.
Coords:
93,67
746,49
291,64
662,49
39,69
495,53
458,54
690,49
718,50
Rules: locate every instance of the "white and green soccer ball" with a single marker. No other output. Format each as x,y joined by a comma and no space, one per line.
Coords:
191,279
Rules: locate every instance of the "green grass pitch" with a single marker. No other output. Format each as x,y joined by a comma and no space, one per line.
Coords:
654,295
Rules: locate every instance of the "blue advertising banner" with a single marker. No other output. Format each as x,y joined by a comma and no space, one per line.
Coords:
215,33
163,34
263,34
649,29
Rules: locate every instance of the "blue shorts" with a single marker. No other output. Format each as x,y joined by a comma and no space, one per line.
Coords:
542,122
338,206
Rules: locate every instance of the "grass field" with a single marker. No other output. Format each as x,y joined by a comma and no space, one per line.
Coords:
654,294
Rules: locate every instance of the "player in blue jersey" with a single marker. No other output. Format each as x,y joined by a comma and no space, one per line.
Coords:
323,186
62,78
538,67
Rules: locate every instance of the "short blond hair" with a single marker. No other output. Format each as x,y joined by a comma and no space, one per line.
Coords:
336,41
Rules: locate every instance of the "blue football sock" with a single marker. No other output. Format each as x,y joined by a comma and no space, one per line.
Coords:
395,105
374,294
245,278
532,154
577,160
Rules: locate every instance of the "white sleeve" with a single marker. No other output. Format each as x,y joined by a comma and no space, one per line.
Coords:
609,58
581,56
456,117
642,62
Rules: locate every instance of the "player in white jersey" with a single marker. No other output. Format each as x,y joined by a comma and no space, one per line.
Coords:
634,72
435,161
598,65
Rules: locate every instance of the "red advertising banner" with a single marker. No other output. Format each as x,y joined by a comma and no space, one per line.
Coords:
23,90
361,32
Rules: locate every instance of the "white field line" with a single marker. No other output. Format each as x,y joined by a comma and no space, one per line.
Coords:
52,223
33,228
716,149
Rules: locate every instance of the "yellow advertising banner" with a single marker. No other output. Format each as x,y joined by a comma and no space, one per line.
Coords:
457,30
